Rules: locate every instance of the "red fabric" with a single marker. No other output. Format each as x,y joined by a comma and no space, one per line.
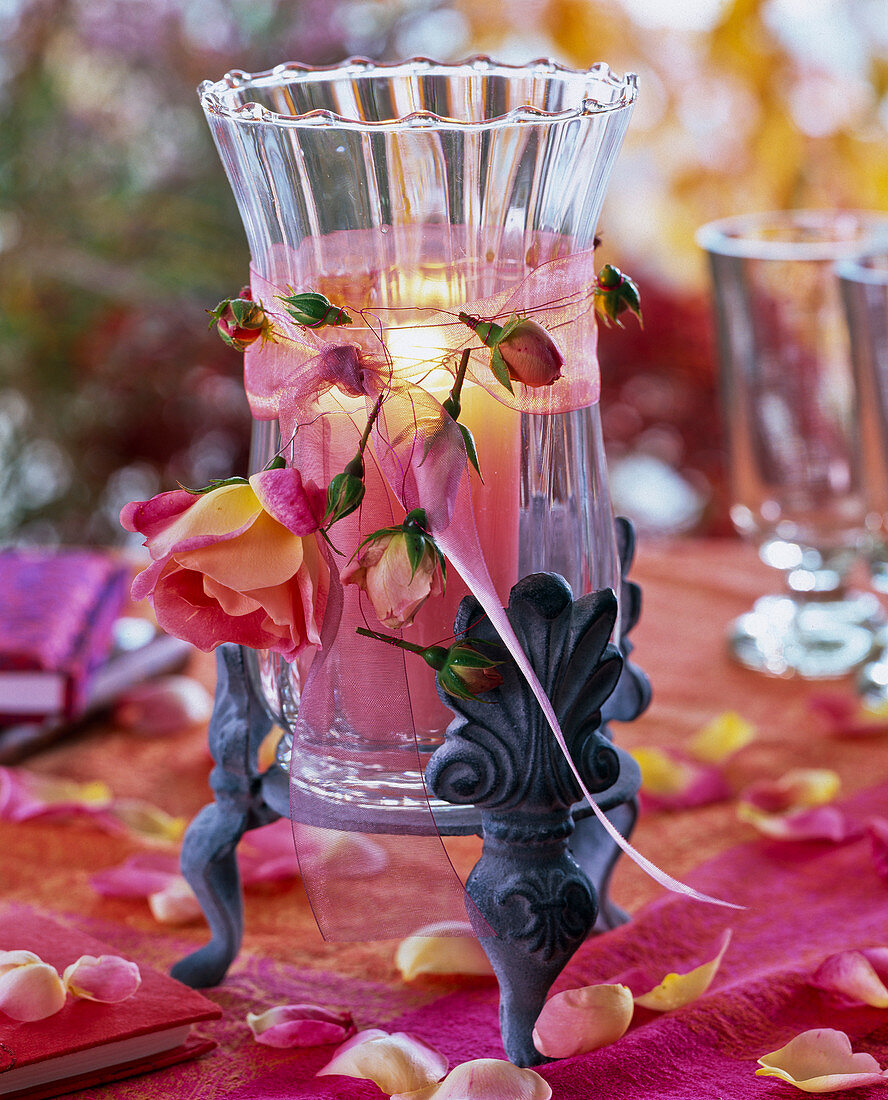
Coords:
805,901
809,900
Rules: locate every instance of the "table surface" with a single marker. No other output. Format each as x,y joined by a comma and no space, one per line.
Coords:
691,590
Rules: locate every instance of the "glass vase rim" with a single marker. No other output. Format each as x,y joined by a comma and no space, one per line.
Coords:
735,235
216,95
860,269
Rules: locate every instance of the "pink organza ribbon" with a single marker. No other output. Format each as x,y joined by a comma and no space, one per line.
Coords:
321,386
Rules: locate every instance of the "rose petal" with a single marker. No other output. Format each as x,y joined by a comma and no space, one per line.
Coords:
800,788
820,823
26,795
820,1060
484,1079
852,979
11,959
580,1020
146,820
31,990
449,947
300,1025
105,978
268,854
175,903
139,876
847,716
721,738
163,706
397,1063
676,990
670,781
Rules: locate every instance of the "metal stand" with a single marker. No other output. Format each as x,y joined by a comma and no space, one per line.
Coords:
543,875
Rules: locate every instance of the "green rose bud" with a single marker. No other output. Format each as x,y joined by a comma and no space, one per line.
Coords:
614,293
345,491
314,310
463,671
240,321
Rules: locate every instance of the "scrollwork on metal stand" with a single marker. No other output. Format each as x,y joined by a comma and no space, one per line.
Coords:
500,755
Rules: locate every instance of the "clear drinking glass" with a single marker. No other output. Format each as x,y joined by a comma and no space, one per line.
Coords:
863,282
465,178
791,413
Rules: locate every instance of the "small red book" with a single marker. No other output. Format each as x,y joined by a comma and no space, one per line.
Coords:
88,1043
57,614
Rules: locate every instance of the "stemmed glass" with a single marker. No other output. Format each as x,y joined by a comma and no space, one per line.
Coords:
791,413
863,282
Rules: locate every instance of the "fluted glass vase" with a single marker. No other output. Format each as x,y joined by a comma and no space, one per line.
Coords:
405,192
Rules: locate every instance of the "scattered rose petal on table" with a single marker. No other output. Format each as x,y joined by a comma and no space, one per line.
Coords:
105,978
671,781
798,789
445,948
677,990
579,1020
855,978
819,823
848,716
139,875
721,738
175,903
484,1079
821,1060
160,707
300,1025
30,989
397,1063
146,820
25,795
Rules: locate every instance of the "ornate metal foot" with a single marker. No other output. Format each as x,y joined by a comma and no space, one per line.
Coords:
237,728
499,754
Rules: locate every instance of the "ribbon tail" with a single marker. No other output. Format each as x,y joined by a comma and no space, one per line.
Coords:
473,570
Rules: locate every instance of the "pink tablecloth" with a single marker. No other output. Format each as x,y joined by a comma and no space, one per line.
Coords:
803,901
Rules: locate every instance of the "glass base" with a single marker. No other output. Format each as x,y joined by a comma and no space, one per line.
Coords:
817,640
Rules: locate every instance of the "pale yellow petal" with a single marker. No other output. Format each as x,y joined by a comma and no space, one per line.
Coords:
660,773
676,990
819,1061
446,948
397,1063
721,738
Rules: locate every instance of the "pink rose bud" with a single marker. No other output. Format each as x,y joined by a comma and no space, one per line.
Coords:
520,351
398,568
530,354
30,989
239,321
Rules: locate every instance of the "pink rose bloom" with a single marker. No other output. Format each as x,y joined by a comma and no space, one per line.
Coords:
239,563
396,590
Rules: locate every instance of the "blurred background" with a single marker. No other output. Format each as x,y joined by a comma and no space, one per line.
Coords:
117,227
